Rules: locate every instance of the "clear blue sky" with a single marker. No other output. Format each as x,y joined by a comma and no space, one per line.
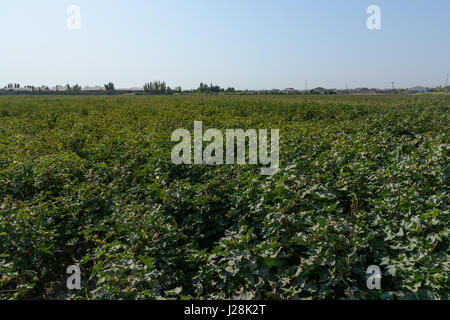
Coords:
255,44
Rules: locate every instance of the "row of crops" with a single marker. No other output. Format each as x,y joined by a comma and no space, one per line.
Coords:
363,180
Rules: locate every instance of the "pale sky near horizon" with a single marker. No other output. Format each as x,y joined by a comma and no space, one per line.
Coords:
254,44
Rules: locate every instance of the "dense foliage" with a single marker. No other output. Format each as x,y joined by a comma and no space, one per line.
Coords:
88,180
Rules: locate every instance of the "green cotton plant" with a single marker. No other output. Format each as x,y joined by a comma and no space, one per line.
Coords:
88,181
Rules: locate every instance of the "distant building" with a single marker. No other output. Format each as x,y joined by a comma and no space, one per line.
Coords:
290,91
417,89
95,88
361,90
18,90
129,90
365,91
58,88
320,90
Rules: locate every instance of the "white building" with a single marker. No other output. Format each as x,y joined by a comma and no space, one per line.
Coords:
95,88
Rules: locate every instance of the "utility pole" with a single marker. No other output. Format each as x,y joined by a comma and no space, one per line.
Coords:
393,85
446,84
306,86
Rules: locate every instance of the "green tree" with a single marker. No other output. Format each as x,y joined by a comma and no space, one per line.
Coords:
109,86
76,89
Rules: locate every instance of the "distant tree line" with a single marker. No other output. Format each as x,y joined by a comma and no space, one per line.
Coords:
204,88
157,87
161,88
75,89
